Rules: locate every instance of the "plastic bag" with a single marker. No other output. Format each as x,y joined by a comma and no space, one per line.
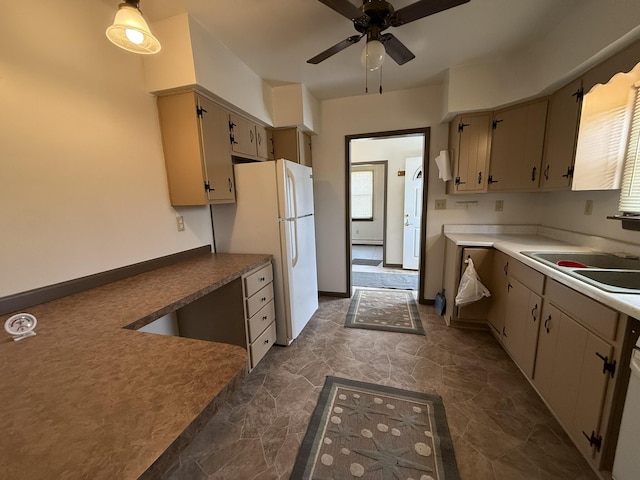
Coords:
471,288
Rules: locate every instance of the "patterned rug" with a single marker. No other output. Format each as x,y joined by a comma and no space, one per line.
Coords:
402,281
389,310
365,431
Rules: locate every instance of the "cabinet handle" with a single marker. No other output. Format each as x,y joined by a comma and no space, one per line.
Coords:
479,178
533,310
262,279
266,341
509,287
259,138
506,268
265,317
546,172
230,185
251,136
263,299
546,324
533,174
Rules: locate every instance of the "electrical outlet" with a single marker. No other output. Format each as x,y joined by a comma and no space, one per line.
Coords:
441,204
180,223
588,207
499,205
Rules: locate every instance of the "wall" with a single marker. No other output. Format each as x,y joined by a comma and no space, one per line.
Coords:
405,109
395,150
82,180
371,232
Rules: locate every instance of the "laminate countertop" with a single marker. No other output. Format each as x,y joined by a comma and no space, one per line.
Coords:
90,397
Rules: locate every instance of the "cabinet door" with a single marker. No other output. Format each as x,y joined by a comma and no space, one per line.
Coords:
516,148
561,136
483,263
215,152
546,351
262,142
304,148
498,290
243,133
285,144
472,136
532,329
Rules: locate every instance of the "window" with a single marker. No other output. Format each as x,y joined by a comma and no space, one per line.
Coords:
630,192
362,195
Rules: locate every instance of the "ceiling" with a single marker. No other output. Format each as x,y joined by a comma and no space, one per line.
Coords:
275,38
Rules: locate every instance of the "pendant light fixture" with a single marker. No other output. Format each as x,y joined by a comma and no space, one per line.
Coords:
130,31
373,55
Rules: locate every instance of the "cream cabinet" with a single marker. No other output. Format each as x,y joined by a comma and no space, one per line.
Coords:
469,145
575,365
259,312
500,278
516,147
292,144
195,141
247,138
563,118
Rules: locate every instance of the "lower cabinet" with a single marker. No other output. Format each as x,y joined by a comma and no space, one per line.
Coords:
259,312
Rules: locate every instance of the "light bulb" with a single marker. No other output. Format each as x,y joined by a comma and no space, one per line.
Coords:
135,36
373,55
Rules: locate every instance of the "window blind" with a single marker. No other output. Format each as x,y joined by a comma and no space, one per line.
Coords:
630,191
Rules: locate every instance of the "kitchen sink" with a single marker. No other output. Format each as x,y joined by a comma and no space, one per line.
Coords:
590,259
618,281
603,270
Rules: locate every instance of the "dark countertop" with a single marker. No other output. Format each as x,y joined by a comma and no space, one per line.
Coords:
88,398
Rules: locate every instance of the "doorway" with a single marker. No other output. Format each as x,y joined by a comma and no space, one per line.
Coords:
386,175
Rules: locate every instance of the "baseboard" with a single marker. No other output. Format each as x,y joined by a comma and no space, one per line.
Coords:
426,301
334,294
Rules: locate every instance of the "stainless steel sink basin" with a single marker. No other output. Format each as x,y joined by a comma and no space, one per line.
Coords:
603,270
594,260
619,281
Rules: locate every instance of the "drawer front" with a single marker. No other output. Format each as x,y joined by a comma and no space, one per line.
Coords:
259,300
262,344
261,320
593,315
527,275
257,280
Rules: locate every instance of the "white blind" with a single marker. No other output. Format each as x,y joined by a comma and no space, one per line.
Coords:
630,191
362,195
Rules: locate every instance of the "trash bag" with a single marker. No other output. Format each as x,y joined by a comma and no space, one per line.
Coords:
471,288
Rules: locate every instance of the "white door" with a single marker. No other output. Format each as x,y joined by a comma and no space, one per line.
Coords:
412,213
295,189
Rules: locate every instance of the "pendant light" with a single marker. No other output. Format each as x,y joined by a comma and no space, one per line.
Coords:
130,31
373,55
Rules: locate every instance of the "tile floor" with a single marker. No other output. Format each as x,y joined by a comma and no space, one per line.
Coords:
501,429
374,252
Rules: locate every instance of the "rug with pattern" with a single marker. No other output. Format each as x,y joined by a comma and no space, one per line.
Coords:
365,431
380,309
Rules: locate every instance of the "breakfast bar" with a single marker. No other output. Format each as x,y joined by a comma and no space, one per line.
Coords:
91,397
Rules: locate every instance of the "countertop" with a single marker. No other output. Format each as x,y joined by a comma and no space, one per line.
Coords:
514,244
89,398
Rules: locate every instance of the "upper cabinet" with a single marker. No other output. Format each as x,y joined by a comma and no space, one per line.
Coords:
247,138
195,139
516,147
561,135
470,144
292,144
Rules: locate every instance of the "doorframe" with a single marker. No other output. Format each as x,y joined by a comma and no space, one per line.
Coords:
425,131
385,163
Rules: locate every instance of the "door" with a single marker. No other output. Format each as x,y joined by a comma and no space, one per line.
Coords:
412,213
295,189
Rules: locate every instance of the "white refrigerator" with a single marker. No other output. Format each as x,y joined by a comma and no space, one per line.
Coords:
273,214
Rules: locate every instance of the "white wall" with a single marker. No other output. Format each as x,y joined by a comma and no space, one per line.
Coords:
82,180
395,151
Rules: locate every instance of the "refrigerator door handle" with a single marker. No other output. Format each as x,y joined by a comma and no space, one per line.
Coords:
294,256
291,194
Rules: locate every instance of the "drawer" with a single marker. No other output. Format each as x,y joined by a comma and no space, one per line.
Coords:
263,343
259,300
527,275
257,280
593,315
261,320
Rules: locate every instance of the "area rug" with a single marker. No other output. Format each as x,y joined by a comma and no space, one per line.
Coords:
366,261
400,281
389,310
365,431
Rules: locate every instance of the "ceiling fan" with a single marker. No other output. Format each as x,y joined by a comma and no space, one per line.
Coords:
374,17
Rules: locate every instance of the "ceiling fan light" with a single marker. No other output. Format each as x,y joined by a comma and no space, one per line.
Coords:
373,55
130,31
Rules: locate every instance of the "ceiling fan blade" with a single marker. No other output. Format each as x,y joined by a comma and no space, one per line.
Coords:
345,8
421,9
338,47
396,49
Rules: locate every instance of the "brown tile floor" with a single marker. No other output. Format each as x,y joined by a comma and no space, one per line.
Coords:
500,427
